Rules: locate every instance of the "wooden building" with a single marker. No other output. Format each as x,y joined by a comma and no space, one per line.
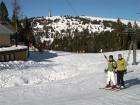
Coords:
7,51
5,34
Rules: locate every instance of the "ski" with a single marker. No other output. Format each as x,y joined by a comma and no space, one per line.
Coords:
110,89
105,88
115,89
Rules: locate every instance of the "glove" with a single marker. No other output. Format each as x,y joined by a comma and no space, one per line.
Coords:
105,70
115,71
125,71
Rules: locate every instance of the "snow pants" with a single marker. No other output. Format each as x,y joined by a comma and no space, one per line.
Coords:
111,77
120,75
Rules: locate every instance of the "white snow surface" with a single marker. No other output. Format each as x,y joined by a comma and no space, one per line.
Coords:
62,78
19,47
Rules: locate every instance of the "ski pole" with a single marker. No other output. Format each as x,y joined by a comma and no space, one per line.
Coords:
101,51
105,56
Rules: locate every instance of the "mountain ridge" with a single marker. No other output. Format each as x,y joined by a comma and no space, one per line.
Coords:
67,25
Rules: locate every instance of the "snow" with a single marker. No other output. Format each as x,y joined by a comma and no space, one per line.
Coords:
125,21
39,26
73,24
63,26
43,39
19,47
62,78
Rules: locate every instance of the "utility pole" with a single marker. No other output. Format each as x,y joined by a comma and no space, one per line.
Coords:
16,34
50,14
133,33
134,38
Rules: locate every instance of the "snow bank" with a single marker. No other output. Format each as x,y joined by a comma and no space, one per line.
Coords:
31,75
20,73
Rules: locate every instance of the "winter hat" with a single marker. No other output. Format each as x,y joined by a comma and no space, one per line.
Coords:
111,56
120,55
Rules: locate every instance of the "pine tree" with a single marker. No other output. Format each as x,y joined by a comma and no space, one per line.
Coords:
27,29
3,13
137,31
129,25
120,29
135,26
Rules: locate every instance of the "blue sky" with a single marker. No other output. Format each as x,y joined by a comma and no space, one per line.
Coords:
127,9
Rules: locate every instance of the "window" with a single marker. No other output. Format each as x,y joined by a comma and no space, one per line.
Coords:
12,57
2,58
7,57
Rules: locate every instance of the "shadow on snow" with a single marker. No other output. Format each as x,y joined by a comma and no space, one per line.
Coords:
42,56
132,82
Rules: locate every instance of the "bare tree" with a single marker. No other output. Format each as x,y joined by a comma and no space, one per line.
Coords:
16,10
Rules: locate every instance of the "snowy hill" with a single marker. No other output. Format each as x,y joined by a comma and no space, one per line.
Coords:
59,78
65,25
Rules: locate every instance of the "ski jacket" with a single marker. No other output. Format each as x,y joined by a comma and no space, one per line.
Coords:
121,65
112,65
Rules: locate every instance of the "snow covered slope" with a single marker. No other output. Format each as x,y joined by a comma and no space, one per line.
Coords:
70,24
47,28
60,78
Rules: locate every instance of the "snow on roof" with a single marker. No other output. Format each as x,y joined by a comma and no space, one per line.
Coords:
19,47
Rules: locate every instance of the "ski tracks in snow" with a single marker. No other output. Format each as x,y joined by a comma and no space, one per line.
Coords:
66,79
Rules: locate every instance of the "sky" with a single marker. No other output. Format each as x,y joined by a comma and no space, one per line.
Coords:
126,9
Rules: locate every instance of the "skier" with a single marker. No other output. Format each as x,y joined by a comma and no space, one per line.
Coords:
121,70
111,72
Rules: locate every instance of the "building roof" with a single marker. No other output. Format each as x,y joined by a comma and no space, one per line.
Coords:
12,48
7,29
